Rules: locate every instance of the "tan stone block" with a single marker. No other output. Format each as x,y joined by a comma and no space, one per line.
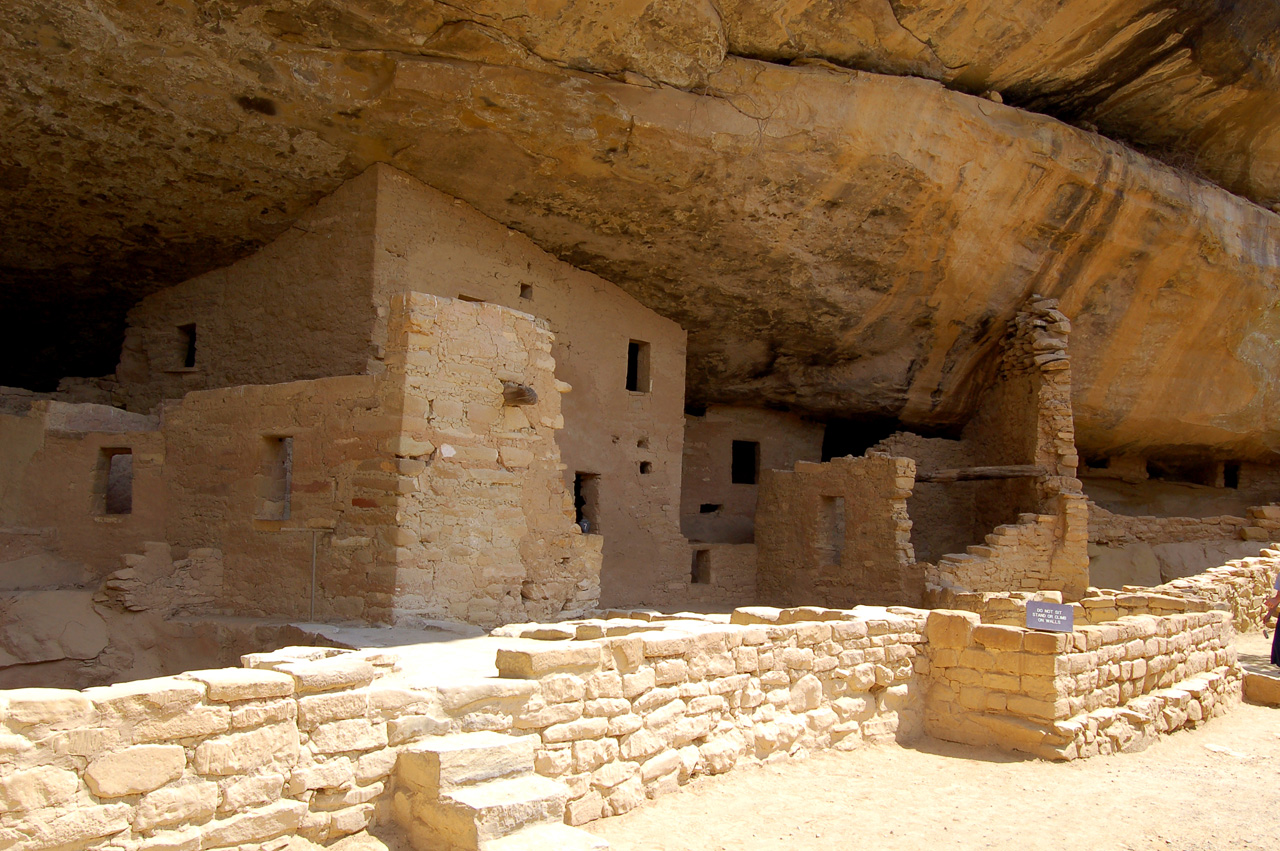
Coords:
241,793
337,672
193,723
185,803
229,684
255,713
995,637
36,788
354,734
172,840
1044,643
237,753
585,809
585,728
146,698
314,710
46,706
78,826
255,826
951,629
135,770
535,662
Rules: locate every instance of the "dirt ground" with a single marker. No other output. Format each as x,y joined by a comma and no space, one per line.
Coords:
1210,789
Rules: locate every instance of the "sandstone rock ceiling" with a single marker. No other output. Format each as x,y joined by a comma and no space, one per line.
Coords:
835,241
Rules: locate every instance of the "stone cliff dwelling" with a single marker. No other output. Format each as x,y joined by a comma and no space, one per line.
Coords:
493,423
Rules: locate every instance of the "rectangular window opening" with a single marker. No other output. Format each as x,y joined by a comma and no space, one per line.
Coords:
526,292
710,508
187,343
638,366
830,538
700,573
646,467
1231,475
116,481
746,462
275,479
586,502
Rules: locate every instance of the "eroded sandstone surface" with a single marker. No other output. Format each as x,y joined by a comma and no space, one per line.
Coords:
835,241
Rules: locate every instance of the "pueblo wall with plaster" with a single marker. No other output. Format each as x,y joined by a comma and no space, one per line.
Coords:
414,493
714,508
315,302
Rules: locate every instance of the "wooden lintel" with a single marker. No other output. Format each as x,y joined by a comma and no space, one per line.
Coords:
974,474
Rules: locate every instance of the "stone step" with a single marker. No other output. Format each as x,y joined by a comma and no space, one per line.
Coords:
547,837
467,816
1262,688
457,760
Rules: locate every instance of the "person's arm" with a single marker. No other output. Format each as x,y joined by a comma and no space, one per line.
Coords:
1270,605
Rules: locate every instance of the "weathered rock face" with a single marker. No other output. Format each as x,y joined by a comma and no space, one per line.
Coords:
835,242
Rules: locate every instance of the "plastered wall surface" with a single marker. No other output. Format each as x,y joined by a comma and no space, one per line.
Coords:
707,481
299,308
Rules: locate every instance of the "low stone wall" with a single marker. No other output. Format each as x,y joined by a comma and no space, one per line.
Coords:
1059,696
1110,529
627,717
1240,586
305,741
204,760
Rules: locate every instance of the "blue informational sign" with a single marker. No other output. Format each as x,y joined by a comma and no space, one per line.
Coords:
1050,617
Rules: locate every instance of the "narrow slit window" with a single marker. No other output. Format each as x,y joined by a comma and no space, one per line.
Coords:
187,345
638,366
116,481
586,502
275,479
830,530
709,508
746,462
700,573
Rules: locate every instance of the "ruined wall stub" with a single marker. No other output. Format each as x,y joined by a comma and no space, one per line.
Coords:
837,534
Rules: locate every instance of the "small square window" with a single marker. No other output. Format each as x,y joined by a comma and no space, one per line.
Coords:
526,292
746,462
646,467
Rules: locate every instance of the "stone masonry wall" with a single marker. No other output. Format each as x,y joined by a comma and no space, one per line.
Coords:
837,534
485,529
305,740
1104,688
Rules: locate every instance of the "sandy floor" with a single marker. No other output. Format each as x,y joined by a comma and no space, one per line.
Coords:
1217,787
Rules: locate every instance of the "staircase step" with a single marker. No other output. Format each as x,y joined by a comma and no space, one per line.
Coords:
466,816
547,837
461,759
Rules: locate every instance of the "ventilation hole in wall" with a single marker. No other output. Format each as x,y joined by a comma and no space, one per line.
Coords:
646,467
746,462
709,508
695,410
700,573
187,344
116,481
275,479
470,298
642,443
638,366
1231,475
526,292
586,502
830,531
